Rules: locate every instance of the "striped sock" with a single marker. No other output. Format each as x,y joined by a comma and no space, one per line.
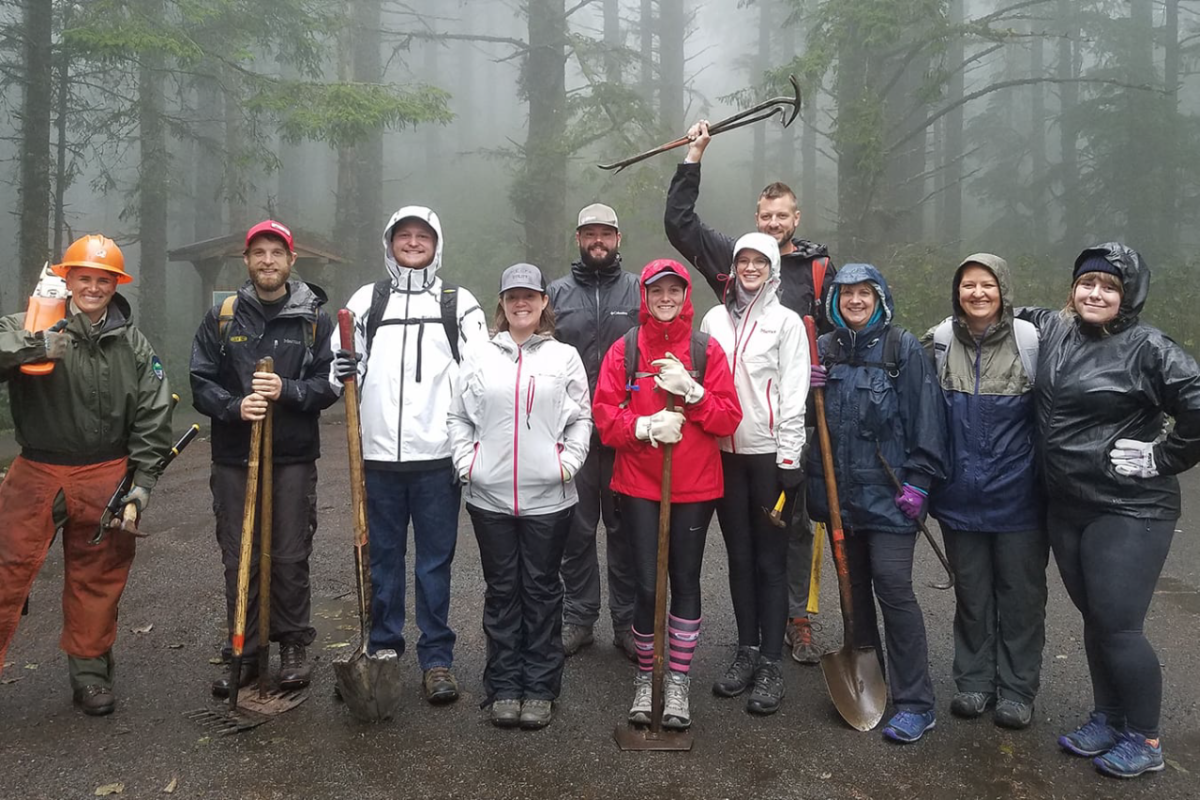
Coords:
682,635
644,644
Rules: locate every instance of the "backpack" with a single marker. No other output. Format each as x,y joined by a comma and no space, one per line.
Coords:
697,349
229,308
449,316
891,354
1026,334
819,265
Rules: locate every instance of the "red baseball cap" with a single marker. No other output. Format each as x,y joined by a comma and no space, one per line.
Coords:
270,226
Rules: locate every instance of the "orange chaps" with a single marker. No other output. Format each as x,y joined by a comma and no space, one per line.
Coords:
95,575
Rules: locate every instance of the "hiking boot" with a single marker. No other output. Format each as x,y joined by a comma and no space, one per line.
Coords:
623,641
575,638
96,700
676,714
970,705
798,636
294,671
506,713
440,686
643,692
1132,755
536,714
739,675
1013,714
222,685
909,726
1095,737
768,688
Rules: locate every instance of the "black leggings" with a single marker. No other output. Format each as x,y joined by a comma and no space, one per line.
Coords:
689,528
1110,565
758,551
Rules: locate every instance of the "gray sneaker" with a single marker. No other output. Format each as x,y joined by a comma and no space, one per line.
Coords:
768,689
676,713
1013,714
575,638
739,675
536,713
643,692
970,705
506,713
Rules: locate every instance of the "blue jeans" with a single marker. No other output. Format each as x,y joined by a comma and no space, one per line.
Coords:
431,498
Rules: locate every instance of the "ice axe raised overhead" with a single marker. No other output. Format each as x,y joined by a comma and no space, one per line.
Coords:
786,108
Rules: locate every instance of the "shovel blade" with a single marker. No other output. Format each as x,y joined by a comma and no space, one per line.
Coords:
369,684
856,685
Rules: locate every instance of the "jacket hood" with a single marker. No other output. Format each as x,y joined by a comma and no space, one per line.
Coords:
851,274
766,245
1135,280
1000,271
589,276
404,279
679,328
302,298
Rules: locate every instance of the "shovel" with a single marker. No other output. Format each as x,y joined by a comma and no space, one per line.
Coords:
368,684
852,674
655,738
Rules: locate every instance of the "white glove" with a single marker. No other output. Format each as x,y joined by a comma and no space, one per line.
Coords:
673,377
662,426
1133,458
566,474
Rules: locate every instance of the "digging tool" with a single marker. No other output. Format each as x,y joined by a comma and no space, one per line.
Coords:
949,584
786,108
814,579
249,511
775,515
266,528
852,674
655,738
368,683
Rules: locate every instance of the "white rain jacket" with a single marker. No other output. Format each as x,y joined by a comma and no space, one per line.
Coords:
521,416
768,355
409,375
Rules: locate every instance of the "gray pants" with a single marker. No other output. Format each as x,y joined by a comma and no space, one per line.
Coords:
580,566
1000,611
800,549
295,522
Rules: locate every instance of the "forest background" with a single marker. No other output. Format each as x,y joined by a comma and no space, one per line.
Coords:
930,129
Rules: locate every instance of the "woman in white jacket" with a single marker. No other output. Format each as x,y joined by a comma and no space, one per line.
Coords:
520,425
768,355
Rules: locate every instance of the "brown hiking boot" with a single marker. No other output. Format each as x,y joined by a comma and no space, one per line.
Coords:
799,637
440,686
294,671
95,700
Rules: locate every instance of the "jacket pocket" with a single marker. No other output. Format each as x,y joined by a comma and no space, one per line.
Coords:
878,406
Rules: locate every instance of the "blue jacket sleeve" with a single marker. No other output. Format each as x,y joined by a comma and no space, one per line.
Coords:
923,415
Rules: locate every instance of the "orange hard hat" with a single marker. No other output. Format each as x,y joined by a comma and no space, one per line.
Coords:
94,251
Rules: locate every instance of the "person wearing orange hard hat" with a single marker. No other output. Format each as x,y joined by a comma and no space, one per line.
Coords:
104,410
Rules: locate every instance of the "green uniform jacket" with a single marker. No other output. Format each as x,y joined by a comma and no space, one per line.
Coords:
106,399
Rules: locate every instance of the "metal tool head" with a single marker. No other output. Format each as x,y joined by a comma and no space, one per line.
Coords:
631,739
369,684
856,685
223,722
795,103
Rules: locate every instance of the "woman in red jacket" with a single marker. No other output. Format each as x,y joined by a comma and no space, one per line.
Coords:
631,416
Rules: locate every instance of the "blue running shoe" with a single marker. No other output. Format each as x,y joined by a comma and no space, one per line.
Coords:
1096,737
908,726
1132,755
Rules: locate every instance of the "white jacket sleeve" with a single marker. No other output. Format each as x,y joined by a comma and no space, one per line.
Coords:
359,303
462,427
793,390
577,437
472,320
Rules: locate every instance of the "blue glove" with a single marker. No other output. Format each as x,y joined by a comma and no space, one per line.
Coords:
911,501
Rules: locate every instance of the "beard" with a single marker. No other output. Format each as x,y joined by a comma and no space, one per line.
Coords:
606,258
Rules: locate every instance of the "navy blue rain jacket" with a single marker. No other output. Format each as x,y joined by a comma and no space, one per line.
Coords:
867,408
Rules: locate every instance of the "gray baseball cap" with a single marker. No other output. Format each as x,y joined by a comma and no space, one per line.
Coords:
522,276
598,214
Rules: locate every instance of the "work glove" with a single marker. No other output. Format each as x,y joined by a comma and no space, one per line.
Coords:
788,480
817,376
662,426
1133,458
345,364
673,377
139,496
566,474
911,501
56,342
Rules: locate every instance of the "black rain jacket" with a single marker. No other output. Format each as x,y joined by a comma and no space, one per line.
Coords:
1097,386
594,308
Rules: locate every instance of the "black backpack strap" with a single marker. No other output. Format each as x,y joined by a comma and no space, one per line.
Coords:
631,361
699,352
449,302
379,301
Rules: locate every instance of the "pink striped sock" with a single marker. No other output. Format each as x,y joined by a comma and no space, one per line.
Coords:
644,644
682,635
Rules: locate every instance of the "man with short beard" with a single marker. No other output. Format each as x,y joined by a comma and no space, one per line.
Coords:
593,307
271,315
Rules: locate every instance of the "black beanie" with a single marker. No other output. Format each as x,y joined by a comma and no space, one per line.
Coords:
1096,263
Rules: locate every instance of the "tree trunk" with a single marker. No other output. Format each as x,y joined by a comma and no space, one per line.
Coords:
1169,199
34,190
62,179
787,137
153,190
613,41
671,30
646,74
1140,167
1068,93
207,219
952,141
1037,143
857,112
235,181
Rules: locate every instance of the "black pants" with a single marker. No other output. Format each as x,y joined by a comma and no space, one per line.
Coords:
294,514
881,568
522,607
999,610
1110,565
689,529
757,551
